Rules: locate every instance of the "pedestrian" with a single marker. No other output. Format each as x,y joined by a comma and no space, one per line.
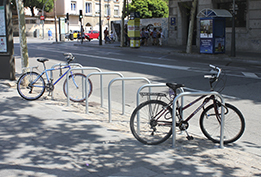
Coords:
143,37
50,35
160,36
154,36
106,35
112,36
147,36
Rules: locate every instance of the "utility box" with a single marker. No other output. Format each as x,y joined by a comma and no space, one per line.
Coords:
7,62
213,30
134,29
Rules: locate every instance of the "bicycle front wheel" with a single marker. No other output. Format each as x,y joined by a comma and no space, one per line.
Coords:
234,123
31,86
77,87
151,122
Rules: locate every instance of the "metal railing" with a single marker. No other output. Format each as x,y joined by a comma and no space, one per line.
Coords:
101,86
197,94
123,91
67,77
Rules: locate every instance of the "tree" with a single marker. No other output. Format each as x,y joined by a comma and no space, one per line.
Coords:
36,4
22,35
191,26
150,8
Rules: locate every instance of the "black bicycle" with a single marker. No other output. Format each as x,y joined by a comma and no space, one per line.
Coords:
151,121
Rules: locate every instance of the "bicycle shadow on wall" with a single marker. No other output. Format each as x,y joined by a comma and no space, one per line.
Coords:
73,146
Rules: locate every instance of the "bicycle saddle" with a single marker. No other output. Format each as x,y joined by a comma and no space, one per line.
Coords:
174,86
42,60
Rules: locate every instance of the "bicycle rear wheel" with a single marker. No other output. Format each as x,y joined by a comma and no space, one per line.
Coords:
29,88
151,122
77,87
234,124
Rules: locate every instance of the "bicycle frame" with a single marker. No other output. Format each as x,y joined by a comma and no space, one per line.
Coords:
181,109
52,69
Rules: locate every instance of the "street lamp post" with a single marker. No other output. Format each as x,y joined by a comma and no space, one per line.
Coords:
100,25
233,34
43,20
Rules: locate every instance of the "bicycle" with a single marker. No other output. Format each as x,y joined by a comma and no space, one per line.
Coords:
151,121
31,85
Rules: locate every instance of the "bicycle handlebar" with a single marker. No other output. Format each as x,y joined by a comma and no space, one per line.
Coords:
217,69
69,57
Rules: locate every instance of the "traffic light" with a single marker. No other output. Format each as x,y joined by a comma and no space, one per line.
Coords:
80,16
67,16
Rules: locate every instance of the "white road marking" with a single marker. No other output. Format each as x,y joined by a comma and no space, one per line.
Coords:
251,75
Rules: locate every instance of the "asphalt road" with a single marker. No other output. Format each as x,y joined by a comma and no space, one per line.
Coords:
242,81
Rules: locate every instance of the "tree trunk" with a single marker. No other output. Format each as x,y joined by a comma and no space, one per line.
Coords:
191,26
122,23
22,35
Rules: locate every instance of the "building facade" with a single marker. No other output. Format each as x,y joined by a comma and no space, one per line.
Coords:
247,22
110,11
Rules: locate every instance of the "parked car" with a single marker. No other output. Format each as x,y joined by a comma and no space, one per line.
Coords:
93,34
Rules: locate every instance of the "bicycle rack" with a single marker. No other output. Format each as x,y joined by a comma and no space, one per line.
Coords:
63,64
197,94
67,77
123,95
101,86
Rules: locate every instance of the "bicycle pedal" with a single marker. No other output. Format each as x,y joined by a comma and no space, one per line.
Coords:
190,137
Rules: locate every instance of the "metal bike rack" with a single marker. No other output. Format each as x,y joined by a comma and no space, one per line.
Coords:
197,94
101,86
63,64
123,91
67,77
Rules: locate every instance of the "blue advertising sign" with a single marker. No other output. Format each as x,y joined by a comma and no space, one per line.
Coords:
173,21
206,45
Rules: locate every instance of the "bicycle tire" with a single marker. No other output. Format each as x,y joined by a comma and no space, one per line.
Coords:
234,124
148,134
28,91
77,94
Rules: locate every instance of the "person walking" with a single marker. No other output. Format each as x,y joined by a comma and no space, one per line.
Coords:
50,34
106,35
160,36
143,37
154,36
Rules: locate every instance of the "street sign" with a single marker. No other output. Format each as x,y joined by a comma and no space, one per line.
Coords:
41,17
108,17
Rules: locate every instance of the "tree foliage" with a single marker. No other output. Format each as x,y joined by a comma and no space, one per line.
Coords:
149,8
37,4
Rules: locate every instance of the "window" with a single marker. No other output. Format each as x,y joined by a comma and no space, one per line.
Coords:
88,8
97,9
116,10
241,12
73,6
107,10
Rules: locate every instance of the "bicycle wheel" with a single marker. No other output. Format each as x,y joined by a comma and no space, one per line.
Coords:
151,122
77,87
234,123
31,86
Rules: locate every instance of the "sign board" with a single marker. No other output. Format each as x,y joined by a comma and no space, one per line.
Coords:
3,44
108,17
42,18
173,21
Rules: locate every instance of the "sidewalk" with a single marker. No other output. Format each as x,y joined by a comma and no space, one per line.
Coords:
47,138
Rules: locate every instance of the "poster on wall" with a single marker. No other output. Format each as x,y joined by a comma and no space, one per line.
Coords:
219,45
3,45
206,28
206,46
2,21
